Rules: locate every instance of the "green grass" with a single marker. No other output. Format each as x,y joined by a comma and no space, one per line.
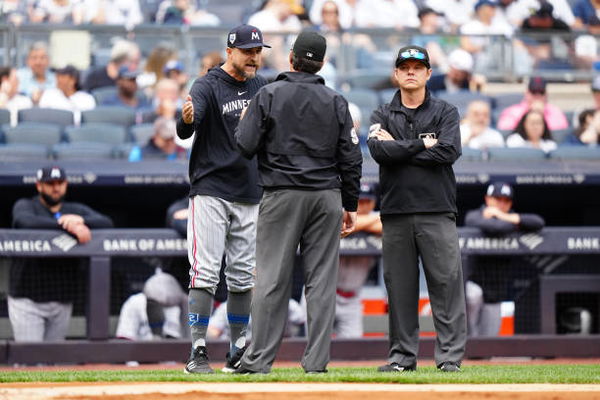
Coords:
470,374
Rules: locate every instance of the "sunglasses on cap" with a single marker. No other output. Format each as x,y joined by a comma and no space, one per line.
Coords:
413,53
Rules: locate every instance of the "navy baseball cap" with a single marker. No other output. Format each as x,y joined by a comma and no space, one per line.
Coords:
310,45
485,3
173,65
500,189
51,173
367,191
413,53
245,37
537,85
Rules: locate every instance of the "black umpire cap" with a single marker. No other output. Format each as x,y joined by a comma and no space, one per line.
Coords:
413,53
310,45
245,37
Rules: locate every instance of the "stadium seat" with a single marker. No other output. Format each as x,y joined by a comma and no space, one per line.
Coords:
4,116
559,135
34,133
576,153
23,152
109,114
46,115
386,95
462,99
83,151
104,93
142,133
501,101
366,99
469,154
97,132
370,79
515,153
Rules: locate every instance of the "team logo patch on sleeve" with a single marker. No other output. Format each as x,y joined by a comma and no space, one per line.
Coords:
354,136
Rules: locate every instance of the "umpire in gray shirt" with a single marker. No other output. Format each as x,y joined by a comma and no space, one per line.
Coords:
310,165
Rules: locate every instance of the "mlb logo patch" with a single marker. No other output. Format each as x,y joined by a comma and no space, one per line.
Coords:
232,38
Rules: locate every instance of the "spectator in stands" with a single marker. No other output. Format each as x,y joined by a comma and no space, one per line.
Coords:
483,23
430,25
9,96
397,14
210,60
13,12
67,94
459,76
174,70
154,68
520,10
475,130
161,145
56,12
456,12
586,46
158,312
585,11
167,101
588,130
532,131
484,289
177,215
126,95
123,53
183,12
535,98
42,290
347,12
354,270
36,76
277,16
218,326
113,12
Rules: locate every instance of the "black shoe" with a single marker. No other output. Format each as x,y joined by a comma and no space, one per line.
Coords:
233,362
315,372
244,371
449,366
395,367
198,362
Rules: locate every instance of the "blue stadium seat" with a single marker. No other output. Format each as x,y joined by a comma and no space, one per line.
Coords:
97,132
109,114
4,116
83,151
23,152
33,133
515,153
366,99
61,118
503,100
470,154
576,153
462,99
386,95
104,93
142,133
559,135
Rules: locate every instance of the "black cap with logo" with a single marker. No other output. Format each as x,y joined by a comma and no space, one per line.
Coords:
310,45
51,173
245,37
413,53
500,189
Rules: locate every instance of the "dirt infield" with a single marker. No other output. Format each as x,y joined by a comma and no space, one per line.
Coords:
297,391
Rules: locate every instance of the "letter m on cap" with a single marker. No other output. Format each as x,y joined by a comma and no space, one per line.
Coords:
255,35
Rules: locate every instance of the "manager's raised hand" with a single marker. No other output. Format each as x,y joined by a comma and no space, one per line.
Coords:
187,112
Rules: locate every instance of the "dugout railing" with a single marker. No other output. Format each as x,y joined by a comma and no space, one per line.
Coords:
550,245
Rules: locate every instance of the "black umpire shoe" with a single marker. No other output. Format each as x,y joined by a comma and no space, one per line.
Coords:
395,367
234,361
244,371
449,366
198,362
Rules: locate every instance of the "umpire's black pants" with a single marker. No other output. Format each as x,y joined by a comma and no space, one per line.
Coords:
434,238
